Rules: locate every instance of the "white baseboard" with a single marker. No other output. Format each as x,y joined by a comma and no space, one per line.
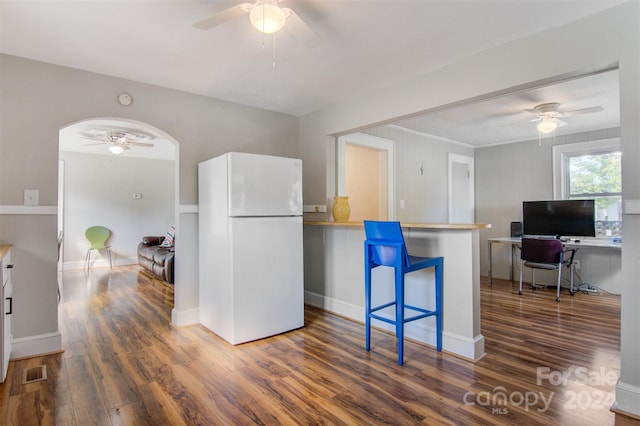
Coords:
101,263
25,347
472,349
627,399
181,317
339,307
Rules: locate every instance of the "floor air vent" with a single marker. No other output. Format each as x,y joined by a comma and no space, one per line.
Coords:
34,374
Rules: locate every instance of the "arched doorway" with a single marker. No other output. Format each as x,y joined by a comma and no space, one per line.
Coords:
133,192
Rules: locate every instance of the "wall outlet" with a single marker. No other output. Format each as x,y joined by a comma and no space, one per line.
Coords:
576,264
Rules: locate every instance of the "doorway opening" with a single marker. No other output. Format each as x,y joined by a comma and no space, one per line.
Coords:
461,188
133,193
366,176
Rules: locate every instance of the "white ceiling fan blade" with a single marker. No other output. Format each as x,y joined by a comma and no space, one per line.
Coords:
300,30
560,123
140,144
93,144
583,111
223,16
98,140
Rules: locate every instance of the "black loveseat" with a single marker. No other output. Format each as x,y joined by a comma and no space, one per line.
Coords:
156,259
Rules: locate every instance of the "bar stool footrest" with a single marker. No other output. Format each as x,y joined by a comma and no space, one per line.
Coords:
425,313
385,319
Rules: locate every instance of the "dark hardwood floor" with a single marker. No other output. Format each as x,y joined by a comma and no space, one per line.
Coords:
124,364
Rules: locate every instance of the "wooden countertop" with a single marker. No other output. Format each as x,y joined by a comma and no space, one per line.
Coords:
4,249
408,225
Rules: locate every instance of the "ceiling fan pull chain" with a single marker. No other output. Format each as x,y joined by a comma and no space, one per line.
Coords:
273,53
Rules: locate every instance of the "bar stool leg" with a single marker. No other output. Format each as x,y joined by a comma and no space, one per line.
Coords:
367,297
400,313
439,268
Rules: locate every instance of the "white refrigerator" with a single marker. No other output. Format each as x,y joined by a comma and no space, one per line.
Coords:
250,241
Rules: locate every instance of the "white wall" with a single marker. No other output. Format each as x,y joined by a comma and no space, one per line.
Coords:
98,190
612,36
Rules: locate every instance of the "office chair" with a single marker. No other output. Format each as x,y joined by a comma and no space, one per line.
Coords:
385,246
547,254
97,236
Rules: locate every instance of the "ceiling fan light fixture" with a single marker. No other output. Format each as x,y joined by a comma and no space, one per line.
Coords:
547,125
116,149
267,18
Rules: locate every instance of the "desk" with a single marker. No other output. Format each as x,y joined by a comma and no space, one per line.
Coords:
571,244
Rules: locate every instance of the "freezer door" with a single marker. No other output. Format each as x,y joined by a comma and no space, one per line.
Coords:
268,287
264,185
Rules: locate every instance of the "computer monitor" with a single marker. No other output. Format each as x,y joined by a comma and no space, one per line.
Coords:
559,218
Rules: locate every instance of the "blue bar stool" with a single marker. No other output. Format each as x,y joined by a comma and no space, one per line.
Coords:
385,246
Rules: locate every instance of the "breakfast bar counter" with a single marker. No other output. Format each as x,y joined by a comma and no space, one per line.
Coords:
334,278
407,225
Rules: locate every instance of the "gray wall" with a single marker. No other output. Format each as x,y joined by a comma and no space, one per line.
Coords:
39,99
98,190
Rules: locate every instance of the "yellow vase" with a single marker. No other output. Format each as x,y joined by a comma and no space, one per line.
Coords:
341,209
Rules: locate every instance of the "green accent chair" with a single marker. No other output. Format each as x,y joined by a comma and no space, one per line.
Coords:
97,236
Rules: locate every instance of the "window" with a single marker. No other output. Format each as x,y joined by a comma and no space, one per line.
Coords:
592,170
598,176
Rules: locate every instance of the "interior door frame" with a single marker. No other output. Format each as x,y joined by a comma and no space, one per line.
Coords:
368,141
60,215
469,161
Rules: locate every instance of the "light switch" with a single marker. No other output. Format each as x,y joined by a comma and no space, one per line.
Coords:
31,197
401,204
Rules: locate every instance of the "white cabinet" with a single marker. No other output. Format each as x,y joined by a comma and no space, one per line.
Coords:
6,308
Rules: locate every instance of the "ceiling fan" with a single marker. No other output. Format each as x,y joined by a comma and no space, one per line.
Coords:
267,17
549,115
117,140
